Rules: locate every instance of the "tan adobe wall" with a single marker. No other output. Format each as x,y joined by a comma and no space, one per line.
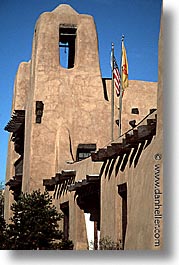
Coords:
21,89
22,86
139,94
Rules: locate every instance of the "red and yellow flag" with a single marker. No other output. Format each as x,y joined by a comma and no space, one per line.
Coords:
124,68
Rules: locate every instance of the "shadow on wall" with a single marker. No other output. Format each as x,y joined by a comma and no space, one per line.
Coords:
128,151
120,162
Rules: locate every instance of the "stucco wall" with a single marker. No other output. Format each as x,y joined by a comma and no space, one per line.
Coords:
21,88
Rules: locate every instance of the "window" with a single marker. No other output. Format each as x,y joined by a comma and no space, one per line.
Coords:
122,190
67,39
135,111
65,209
19,166
39,111
84,151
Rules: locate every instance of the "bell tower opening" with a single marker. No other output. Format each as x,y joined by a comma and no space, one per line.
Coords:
67,39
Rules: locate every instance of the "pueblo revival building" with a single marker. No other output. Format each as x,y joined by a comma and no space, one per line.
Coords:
60,138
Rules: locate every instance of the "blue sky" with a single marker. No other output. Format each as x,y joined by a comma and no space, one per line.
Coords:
138,20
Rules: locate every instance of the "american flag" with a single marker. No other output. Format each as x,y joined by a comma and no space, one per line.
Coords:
116,77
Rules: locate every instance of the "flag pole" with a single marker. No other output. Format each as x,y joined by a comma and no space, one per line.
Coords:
112,93
121,92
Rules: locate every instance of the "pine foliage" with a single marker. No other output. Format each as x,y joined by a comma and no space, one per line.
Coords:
34,224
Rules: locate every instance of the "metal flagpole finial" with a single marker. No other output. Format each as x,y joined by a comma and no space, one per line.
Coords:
112,45
122,37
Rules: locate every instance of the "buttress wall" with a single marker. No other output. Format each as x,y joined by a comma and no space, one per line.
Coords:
21,90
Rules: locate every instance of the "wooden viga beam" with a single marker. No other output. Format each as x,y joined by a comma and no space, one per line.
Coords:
90,179
112,151
15,182
17,118
59,178
49,184
131,140
65,175
77,185
62,181
99,156
145,132
131,137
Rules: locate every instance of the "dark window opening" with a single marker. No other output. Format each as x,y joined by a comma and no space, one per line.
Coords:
19,166
135,111
132,123
65,209
122,190
84,151
39,111
105,91
67,46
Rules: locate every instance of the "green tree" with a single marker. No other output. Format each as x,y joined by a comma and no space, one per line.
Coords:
106,243
34,224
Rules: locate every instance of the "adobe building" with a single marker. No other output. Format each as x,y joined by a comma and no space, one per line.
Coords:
60,137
